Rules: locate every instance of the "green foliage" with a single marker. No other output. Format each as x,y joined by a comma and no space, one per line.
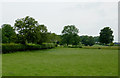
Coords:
69,35
53,38
106,36
91,41
48,45
96,39
41,34
87,40
116,44
33,46
70,29
8,34
76,46
112,44
26,28
30,31
8,48
75,39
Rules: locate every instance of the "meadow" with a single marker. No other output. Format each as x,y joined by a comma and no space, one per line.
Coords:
0,65
61,62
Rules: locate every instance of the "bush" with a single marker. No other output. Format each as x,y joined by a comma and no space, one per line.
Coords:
48,45
76,46
9,48
111,44
33,46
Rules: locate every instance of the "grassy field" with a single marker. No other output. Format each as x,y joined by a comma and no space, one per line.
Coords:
61,62
0,65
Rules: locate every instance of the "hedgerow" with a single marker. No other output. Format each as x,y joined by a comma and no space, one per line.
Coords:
9,48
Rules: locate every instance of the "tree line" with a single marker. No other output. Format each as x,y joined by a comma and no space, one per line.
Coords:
28,30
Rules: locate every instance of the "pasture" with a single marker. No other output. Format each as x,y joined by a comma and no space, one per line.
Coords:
61,62
0,65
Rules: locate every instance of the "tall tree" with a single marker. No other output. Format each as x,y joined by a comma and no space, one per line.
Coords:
70,35
70,29
8,33
106,35
29,30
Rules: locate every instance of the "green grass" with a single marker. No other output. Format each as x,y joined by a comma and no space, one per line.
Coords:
61,62
0,65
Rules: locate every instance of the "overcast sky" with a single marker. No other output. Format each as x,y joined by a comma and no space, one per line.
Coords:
88,17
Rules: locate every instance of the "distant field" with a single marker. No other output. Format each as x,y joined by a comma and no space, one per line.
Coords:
62,62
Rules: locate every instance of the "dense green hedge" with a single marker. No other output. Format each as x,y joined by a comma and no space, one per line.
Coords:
8,48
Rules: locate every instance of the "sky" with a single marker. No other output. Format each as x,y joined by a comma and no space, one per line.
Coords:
88,16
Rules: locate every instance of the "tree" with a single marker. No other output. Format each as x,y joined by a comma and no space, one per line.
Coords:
53,38
106,35
8,33
70,29
96,39
74,39
87,40
41,34
70,35
29,30
26,28
84,40
91,41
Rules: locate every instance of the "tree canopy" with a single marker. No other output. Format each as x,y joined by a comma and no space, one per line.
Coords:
87,40
96,39
29,30
70,35
53,38
8,33
106,35
70,29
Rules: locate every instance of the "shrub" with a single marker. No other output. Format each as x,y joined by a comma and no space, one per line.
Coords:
33,46
76,46
111,44
48,45
9,48
6,48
